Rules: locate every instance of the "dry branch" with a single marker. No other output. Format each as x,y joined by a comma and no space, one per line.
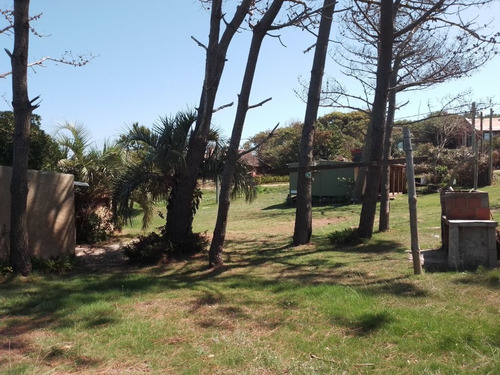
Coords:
271,133
79,61
223,106
259,104
199,43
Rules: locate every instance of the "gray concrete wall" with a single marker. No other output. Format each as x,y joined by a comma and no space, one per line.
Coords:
51,213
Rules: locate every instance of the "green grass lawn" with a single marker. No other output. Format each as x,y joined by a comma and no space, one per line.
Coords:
272,309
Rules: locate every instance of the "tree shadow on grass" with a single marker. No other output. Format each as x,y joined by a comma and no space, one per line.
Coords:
396,288
374,246
279,206
49,301
366,323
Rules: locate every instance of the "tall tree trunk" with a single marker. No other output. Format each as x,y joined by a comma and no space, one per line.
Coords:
303,214
377,121
259,32
359,184
20,258
180,208
385,184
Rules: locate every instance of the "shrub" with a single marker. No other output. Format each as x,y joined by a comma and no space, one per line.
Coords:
5,269
154,248
148,249
345,237
91,229
54,265
465,173
93,218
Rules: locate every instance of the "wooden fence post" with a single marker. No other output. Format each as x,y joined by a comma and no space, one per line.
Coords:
412,201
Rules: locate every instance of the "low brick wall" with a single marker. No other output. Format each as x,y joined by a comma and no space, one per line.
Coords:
459,205
51,213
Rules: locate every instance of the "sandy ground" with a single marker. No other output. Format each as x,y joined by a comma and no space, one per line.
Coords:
102,256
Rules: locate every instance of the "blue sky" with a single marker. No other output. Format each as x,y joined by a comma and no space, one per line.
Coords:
147,66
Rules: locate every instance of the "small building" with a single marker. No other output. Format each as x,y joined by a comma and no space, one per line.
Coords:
333,181
256,165
327,184
483,130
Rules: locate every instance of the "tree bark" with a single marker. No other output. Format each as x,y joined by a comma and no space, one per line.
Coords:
303,214
259,32
377,122
180,208
385,184
20,258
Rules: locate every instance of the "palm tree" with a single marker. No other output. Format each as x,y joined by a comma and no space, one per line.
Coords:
152,159
155,158
96,167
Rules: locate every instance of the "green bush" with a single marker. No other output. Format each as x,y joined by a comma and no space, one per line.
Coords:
148,249
154,248
465,173
93,218
5,269
91,229
345,237
54,265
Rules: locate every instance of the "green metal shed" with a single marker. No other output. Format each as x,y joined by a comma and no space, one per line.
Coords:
327,184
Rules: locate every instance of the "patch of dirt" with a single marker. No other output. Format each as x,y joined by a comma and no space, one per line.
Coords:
102,257
322,222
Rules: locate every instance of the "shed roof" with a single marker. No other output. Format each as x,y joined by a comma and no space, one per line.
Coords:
486,124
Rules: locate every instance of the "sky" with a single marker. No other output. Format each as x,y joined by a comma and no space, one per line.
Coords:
147,66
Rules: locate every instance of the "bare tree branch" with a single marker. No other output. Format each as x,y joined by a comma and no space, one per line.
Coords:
199,43
271,133
223,106
79,60
259,104
9,17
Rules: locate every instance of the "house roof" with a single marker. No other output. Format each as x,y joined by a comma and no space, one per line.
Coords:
252,160
486,124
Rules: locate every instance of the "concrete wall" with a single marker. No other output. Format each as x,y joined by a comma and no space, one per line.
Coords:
51,213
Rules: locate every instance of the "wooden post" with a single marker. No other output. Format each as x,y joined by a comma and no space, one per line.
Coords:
490,152
412,201
474,144
481,150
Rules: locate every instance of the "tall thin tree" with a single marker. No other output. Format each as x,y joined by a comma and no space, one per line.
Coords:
378,117
303,215
23,107
180,213
260,30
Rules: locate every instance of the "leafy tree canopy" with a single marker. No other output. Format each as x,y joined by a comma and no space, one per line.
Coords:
336,135
441,130
44,152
